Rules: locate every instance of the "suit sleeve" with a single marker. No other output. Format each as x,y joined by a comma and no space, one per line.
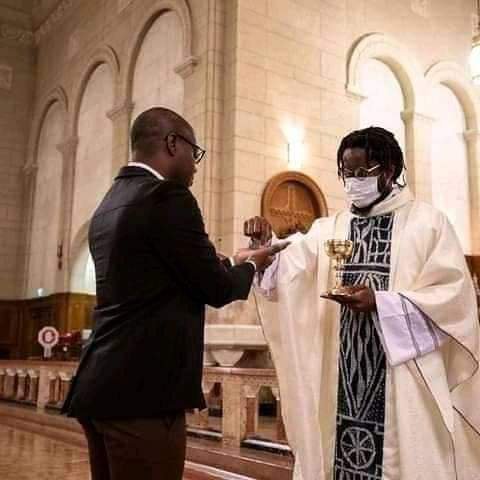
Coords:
180,239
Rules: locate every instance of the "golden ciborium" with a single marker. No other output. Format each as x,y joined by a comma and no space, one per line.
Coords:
339,251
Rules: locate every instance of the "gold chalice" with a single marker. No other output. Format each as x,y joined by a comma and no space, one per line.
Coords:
339,251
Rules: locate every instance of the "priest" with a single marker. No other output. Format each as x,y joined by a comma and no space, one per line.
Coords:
381,382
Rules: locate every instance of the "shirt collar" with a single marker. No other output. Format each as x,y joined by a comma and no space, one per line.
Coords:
146,167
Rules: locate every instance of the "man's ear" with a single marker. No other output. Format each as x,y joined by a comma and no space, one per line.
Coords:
171,145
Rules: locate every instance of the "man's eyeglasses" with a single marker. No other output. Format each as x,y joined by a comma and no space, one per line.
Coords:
197,152
360,172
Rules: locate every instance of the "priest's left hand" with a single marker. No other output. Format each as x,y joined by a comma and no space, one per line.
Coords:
362,299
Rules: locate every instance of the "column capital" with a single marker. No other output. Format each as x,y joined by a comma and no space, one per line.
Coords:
471,135
186,68
68,147
120,110
354,93
30,169
409,115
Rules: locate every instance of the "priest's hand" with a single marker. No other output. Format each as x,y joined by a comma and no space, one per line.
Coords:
259,230
262,257
360,299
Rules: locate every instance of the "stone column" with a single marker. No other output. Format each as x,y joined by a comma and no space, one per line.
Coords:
251,401
21,391
472,140
233,420
3,375
10,382
32,393
281,434
68,149
43,388
418,139
120,116
207,388
30,182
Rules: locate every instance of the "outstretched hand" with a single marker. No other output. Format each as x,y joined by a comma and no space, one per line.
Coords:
359,298
262,257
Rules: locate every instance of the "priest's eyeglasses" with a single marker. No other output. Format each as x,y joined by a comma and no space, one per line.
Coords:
360,172
197,152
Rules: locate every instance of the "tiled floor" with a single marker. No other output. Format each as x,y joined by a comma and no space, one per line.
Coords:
27,456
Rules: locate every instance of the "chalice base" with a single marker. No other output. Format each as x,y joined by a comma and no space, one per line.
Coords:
343,291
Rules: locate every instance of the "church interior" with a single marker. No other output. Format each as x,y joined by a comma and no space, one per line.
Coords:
270,88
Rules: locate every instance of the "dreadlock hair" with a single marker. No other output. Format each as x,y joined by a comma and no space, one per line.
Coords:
379,144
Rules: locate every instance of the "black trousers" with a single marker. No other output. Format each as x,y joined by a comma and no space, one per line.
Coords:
137,449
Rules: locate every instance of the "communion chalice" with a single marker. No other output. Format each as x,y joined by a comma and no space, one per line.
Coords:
339,251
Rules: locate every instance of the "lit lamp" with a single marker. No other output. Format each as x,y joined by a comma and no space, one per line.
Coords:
474,59
295,155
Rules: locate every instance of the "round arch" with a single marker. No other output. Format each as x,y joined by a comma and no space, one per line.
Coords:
454,77
387,50
55,96
104,55
181,8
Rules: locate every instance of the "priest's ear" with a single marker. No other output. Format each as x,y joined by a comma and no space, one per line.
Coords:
386,179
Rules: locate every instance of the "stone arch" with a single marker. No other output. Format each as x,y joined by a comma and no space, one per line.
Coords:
57,95
181,8
454,77
104,55
387,50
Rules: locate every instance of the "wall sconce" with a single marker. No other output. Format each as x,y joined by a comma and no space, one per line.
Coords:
296,153
40,292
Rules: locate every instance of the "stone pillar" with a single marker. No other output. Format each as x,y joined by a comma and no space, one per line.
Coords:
281,434
418,140
32,392
43,388
30,182
233,420
251,405
472,139
207,388
10,383
120,116
64,386
3,375
21,391
68,149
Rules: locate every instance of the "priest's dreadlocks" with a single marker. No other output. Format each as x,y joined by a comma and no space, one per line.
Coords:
380,146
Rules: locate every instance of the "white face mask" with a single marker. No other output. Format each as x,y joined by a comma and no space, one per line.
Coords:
362,191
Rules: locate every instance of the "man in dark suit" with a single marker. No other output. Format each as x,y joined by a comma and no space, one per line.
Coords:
155,272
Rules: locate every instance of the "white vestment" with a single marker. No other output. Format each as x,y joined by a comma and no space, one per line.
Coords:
432,426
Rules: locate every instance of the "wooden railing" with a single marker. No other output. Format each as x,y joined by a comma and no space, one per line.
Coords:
244,403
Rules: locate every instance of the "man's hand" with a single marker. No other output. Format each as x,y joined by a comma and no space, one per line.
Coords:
258,229
360,299
262,257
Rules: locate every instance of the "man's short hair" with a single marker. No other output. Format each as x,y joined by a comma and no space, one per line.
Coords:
152,126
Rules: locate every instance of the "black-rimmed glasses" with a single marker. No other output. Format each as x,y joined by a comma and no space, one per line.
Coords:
197,152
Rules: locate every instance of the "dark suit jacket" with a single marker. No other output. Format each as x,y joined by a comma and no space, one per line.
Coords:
156,270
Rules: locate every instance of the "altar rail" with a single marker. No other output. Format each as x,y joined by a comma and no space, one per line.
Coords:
235,396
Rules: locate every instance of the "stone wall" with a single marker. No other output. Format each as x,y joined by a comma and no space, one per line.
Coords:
16,92
251,76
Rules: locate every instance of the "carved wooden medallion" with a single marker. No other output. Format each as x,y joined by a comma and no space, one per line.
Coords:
291,202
